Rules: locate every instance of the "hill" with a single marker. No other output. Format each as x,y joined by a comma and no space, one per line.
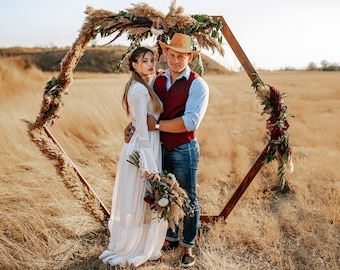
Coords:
95,59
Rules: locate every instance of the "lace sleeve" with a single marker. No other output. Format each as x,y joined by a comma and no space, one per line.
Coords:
139,98
138,101
146,161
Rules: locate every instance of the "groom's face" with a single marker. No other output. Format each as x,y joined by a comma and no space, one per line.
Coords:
177,61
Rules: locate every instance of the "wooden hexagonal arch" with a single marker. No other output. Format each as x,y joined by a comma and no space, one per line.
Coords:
106,23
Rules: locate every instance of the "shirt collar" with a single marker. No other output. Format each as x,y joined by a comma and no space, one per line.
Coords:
185,73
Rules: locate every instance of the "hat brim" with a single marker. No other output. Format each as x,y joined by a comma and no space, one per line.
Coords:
165,47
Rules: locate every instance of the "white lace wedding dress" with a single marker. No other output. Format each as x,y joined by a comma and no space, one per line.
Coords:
136,233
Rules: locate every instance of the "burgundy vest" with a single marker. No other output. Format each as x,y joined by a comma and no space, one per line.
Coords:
174,101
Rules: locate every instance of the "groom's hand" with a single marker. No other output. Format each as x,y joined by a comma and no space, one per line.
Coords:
128,132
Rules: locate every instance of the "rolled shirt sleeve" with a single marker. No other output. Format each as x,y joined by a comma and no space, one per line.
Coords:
196,105
197,102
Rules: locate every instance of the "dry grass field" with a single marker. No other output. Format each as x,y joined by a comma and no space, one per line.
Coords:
44,226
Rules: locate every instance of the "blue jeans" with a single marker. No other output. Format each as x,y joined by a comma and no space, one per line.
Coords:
183,162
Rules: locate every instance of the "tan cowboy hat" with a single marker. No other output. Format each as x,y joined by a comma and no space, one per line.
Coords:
180,43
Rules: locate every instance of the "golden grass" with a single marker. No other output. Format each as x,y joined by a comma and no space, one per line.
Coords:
43,226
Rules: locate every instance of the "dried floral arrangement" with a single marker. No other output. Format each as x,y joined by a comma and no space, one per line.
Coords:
164,195
143,21
140,22
276,127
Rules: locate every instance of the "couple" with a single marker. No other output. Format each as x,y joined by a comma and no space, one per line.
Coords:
165,114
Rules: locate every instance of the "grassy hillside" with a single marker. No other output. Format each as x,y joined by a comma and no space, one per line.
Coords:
95,59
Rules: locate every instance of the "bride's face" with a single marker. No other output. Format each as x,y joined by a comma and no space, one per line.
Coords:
145,65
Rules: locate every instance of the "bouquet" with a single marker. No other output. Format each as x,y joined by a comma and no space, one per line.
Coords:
164,195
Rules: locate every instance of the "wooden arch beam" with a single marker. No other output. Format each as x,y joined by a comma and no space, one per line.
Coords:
252,74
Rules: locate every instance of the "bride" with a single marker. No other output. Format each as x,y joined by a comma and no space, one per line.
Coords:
137,234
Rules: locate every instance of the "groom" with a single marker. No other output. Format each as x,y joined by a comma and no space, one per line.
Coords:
185,98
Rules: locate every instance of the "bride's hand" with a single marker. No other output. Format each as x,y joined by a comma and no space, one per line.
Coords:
151,176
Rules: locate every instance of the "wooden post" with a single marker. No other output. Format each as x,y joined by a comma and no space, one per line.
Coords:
238,51
252,74
244,184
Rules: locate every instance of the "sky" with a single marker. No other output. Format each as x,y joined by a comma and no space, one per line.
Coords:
274,34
